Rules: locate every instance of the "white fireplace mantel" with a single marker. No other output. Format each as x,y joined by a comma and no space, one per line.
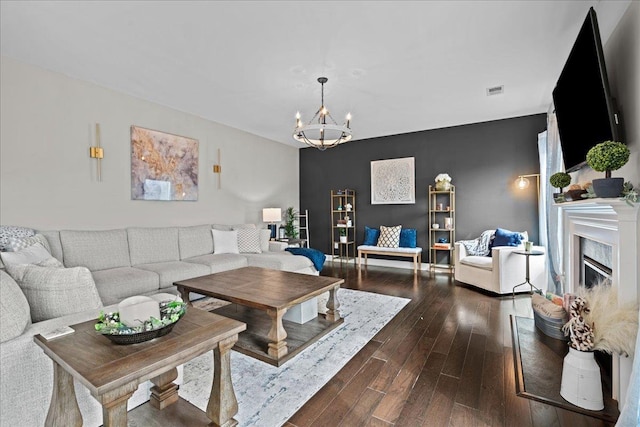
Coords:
615,223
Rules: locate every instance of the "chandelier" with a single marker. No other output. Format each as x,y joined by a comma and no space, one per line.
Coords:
320,132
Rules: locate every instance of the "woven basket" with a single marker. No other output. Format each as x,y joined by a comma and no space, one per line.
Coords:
549,326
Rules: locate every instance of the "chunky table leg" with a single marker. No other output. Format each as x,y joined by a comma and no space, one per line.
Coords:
277,334
333,314
63,410
184,294
222,404
114,405
165,391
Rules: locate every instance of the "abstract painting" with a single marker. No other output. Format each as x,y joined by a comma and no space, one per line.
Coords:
163,166
393,181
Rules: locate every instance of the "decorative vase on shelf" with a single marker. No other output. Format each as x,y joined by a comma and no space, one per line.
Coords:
443,185
581,384
343,239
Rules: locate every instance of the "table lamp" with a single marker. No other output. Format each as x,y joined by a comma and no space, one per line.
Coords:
272,216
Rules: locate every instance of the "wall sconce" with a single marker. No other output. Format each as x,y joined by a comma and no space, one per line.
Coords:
217,169
271,216
97,153
522,182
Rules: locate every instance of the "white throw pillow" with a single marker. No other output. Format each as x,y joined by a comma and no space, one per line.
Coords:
265,237
33,254
389,237
56,292
249,241
225,242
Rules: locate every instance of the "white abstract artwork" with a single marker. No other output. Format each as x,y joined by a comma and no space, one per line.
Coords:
393,181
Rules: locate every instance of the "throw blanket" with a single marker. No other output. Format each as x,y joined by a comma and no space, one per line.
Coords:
480,246
316,256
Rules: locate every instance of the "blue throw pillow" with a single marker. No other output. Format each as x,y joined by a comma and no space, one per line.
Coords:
506,238
371,236
408,238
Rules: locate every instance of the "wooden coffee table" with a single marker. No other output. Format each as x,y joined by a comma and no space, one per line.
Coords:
113,372
261,297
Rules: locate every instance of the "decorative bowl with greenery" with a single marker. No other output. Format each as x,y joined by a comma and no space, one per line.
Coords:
109,324
606,157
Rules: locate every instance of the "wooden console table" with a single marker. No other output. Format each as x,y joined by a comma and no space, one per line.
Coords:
113,372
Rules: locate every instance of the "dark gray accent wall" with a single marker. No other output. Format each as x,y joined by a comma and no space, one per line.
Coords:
483,159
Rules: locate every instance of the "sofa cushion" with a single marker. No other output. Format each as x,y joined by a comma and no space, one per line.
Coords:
249,240
225,242
194,241
389,236
115,284
284,261
174,271
15,313
479,261
95,249
220,262
371,236
151,245
54,292
55,245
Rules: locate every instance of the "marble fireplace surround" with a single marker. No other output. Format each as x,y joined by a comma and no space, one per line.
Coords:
614,223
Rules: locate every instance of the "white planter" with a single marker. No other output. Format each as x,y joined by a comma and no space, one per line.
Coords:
343,239
581,384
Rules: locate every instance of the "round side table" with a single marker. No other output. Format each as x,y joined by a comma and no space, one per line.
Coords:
527,254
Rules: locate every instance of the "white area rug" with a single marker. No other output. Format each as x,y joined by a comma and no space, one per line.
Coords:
268,396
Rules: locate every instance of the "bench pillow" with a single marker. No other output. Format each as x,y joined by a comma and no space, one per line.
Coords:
389,236
408,238
371,236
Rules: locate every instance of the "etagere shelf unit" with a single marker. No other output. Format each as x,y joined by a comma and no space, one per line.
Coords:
343,225
442,227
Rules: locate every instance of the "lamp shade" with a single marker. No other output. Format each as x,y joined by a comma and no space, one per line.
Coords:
271,215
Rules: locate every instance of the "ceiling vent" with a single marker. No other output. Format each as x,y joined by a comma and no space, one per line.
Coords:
495,90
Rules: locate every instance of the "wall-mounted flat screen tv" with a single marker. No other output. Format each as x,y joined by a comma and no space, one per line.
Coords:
584,108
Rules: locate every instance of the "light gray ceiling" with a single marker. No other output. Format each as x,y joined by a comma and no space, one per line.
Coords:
397,66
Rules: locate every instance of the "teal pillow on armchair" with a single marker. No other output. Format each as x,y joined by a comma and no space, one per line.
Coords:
506,238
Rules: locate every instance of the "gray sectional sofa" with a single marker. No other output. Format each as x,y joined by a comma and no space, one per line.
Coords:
123,263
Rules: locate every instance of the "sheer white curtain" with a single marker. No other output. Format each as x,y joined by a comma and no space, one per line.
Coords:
550,220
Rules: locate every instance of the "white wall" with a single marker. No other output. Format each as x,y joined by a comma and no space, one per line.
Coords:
48,181
622,57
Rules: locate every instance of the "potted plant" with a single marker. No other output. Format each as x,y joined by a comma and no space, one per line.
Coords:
443,182
290,217
559,180
606,157
343,235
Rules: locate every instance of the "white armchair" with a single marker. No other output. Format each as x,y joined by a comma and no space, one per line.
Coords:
500,272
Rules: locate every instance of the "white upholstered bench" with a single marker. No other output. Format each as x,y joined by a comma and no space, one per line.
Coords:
415,253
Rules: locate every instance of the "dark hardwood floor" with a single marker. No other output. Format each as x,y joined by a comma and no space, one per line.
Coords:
444,360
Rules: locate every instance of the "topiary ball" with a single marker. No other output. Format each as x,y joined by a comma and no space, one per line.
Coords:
608,156
560,179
